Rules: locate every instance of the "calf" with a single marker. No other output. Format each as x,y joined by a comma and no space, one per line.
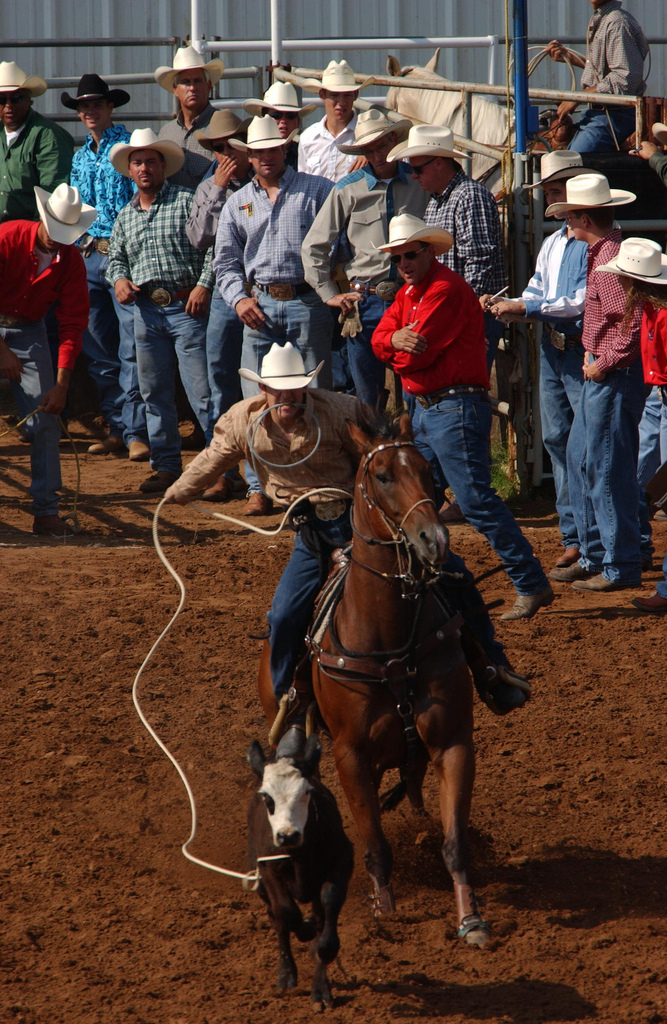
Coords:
294,814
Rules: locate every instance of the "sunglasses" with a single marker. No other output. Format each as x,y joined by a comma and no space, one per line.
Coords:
12,97
282,115
412,255
417,170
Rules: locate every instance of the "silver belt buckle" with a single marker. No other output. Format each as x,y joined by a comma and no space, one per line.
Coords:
557,339
160,296
282,292
8,321
102,246
328,510
386,290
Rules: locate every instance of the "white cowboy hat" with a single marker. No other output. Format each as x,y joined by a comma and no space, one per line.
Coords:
222,124
589,192
372,125
187,59
406,228
263,133
336,77
640,258
427,140
660,132
559,165
282,369
145,138
280,96
12,78
63,214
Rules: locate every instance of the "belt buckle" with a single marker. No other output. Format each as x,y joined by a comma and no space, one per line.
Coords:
281,292
328,510
557,339
102,246
8,321
386,290
160,296
423,401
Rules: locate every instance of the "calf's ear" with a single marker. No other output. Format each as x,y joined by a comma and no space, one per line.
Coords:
312,754
256,759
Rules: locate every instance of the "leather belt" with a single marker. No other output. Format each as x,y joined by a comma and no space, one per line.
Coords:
385,290
161,297
426,401
13,321
283,292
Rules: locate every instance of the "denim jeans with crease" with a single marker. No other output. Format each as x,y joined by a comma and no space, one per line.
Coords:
652,454
165,336
367,372
602,473
593,134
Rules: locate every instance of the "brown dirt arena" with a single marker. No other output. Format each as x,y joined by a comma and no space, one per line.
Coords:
103,920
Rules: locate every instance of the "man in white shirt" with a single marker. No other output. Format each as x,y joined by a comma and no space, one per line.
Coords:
318,144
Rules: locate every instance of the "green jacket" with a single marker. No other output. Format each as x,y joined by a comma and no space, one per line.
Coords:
42,155
659,164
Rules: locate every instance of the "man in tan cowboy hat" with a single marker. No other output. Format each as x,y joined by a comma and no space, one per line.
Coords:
318,144
281,103
33,149
555,295
224,334
433,336
604,440
153,266
259,242
108,344
190,80
360,206
39,265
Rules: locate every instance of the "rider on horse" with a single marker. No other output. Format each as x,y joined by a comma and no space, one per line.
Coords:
297,439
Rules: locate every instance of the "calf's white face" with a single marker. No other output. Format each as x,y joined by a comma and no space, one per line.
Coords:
286,794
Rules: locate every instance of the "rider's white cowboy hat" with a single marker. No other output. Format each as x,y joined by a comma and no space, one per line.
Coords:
280,96
282,369
406,228
222,124
63,214
558,166
372,125
263,133
427,140
640,258
145,138
336,77
660,132
12,78
589,192
187,59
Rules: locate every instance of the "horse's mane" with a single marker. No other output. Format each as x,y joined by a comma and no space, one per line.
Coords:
377,424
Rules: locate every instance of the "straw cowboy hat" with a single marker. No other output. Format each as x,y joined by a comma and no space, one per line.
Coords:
558,166
282,369
336,77
222,124
372,125
406,228
263,133
280,96
12,78
92,87
63,214
660,132
588,192
427,140
187,59
639,258
145,138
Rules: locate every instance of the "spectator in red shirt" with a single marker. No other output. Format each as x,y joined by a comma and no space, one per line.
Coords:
39,266
433,336
604,440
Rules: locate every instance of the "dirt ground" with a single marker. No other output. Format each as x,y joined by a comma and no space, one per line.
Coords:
103,920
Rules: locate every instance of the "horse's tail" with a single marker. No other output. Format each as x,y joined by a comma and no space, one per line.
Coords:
410,786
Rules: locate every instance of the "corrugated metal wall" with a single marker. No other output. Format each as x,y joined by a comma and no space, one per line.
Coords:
50,19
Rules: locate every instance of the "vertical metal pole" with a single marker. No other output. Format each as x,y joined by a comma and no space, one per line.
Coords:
196,33
520,75
493,59
466,126
276,40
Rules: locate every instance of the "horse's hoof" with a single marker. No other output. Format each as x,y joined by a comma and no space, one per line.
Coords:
383,901
475,931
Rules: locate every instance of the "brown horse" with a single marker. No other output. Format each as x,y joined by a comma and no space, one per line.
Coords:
389,675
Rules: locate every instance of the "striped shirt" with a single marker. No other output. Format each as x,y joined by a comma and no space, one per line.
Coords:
150,247
605,309
615,52
333,464
261,241
468,211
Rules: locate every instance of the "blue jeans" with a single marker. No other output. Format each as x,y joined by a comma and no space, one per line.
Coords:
367,371
109,345
652,454
30,344
561,382
602,473
453,435
593,134
224,341
165,335
661,587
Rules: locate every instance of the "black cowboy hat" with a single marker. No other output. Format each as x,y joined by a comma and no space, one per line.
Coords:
92,87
